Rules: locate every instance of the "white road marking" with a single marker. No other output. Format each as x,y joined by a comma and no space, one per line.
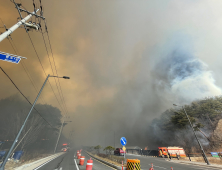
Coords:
157,166
76,165
60,168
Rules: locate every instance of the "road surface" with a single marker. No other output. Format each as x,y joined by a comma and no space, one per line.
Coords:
67,161
162,164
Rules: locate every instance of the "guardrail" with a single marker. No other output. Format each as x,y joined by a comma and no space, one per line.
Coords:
155,153
142,152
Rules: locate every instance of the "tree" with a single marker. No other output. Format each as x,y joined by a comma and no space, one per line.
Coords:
98,147
109,149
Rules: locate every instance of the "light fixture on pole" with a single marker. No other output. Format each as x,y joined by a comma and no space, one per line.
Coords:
204,155
20,131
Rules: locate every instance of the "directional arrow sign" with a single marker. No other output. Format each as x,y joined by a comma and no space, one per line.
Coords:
10,57
123,141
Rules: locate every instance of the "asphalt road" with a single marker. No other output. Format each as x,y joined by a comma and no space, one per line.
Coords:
67,162
64,162
162,164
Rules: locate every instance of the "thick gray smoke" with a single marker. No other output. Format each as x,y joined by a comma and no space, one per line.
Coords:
180,77
184,77
122,77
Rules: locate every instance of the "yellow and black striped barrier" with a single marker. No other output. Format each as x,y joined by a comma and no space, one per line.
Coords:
133,164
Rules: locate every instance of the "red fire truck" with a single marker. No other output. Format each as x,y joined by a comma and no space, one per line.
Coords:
171,152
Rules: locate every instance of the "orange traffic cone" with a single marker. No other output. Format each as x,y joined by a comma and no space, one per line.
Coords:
151,167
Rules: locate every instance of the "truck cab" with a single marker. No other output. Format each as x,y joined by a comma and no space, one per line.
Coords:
119,151
163,151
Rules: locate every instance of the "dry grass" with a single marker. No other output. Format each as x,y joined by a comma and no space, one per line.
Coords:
25,159
212,160
116,160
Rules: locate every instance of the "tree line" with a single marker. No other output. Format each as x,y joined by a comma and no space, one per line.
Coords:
37,134
172,128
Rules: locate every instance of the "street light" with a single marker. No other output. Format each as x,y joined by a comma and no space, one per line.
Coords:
204,155
60,133
64,77
19,133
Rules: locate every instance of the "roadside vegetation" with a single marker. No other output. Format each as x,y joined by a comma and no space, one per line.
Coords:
173,129
38,137
108,156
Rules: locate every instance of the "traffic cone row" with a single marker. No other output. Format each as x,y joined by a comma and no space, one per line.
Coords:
89,164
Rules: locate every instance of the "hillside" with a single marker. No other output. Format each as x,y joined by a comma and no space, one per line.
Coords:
173,129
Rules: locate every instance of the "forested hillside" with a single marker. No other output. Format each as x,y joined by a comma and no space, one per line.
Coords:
41,129
173,129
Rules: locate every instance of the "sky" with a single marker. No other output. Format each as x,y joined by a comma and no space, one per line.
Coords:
128,61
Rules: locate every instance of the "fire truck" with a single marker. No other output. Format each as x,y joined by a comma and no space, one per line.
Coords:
171,152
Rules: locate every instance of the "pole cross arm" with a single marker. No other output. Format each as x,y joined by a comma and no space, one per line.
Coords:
23,10
14,27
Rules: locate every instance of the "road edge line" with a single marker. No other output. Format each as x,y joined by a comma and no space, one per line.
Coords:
76,164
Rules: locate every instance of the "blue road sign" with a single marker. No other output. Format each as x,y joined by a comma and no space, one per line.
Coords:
123,141
9,57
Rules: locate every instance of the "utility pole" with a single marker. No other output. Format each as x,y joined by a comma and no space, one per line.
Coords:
114,140
204,155
20,131
59,134
14,27
23,20
26,119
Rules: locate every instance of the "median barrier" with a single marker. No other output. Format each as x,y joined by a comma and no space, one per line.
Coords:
133,164
107,163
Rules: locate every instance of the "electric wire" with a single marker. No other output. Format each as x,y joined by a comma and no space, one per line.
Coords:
24,96
34,5
28,74
55,67
43,68
40,60
52,67
56,71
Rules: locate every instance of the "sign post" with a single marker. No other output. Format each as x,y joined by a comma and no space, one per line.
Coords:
10,57
123,142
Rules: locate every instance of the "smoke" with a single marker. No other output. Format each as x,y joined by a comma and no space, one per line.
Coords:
183,76
122,74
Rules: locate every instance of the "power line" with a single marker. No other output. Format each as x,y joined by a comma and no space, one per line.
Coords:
28,74
55,66
43,68
50,62
24,95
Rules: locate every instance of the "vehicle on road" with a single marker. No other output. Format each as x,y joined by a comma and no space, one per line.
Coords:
119,151
64,149
171,152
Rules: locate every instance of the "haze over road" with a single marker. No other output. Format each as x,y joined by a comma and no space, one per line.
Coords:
67,162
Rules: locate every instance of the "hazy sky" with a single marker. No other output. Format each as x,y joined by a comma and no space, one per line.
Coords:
128,60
